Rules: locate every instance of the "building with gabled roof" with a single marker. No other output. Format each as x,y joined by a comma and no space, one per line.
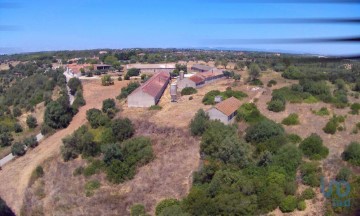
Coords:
149,93
225,111
200,68
198,80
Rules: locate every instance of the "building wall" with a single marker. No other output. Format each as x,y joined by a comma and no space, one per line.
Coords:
215,114
186,82
154,71
140,99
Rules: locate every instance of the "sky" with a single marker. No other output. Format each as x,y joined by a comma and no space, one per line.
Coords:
43,25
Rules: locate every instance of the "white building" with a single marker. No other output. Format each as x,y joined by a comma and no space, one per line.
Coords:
225,111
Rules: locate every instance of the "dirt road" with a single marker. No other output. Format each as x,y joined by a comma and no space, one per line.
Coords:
14,177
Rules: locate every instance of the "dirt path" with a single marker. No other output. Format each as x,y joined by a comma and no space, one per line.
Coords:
14,177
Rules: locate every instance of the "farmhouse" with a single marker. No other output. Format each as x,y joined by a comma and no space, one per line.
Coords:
225,111
201,68
149,93
75,69
153,68
199,80
102,67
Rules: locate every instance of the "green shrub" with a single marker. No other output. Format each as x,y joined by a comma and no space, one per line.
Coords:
263,131
311,174
31,121
199,123
31,142
292,119
46,130
311,100
209,98
294,138
94,168
301,206
352,153
122,129
96,118
188,91
78,171
165,204
276,106
155,107
138,210
322,112
343,175
108,104
249,113
18,149
271,83
289,204
355,108
17,112
313,147
18,128
331,127
308,194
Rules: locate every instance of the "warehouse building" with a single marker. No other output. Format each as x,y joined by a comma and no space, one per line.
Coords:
201,68
149,93
152,68
225,111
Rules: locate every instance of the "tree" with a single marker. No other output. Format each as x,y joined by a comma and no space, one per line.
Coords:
108,104
18,128
352,153
254,71
122,129
188,91
133,72
112,152
57,116
31,142
31,121
199,123
17,112
313,147
276,105
138,210
165,204
106,80
126,91
96,118
263,131
74,85
289,204
18,149
6,138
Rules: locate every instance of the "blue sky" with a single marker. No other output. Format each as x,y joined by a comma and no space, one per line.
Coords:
87,24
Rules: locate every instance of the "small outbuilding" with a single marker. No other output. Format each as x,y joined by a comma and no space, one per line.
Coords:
225,111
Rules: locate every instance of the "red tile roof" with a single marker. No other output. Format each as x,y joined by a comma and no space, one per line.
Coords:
197,78
155,84
228,106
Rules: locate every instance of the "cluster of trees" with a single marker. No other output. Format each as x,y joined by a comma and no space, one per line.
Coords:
334,124
188,91
19,148
232,74
121,154
209,98
178,68
277,103
313,147
262,167
132,72
249,113
352,153
292,119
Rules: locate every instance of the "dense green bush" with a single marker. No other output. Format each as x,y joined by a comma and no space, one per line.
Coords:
288,204
18,149
199,123
188,91
91,186
57,114
31,121
74,85
271,83
18,128
6,137
17,112
292,119
308,194
31,142
333,125
249,113
276,106
262,131
96,118
313,147
355,108
352,153
126,91
122,129
133,72
294,138
165,204
322,112
292,72
138,210
311,174
108,104
301,206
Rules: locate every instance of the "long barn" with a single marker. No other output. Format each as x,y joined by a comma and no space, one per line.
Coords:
149,93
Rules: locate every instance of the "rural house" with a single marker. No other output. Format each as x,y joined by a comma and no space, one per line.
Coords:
225,111
149,93
152,68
